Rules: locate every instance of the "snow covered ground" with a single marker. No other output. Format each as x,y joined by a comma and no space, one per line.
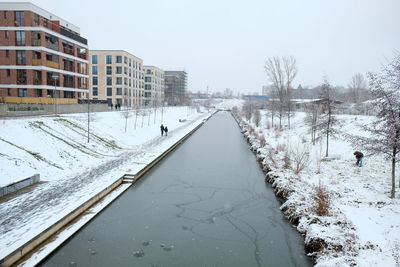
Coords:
71,169
362,228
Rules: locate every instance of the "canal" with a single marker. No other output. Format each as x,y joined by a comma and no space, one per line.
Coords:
205,204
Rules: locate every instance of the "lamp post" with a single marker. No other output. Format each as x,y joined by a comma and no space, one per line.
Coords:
55,78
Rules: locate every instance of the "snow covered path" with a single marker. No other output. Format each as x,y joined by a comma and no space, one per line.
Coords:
28,214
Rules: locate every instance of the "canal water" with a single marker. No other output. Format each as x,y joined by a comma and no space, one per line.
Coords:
205,204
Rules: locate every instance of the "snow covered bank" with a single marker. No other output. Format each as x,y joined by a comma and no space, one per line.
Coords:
361,227
73,169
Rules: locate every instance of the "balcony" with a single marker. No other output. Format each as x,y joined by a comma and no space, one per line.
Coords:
69,68
36,42
69,84
52,64
36,62
73,36
82,55
68,50
21,80
51,81
51,45
37,81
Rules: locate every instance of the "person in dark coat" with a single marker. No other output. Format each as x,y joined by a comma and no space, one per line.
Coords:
162,129
359,156
166,130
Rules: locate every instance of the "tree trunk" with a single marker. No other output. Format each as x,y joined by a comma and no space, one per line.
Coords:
392,193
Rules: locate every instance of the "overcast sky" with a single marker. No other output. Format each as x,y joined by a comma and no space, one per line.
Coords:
223,44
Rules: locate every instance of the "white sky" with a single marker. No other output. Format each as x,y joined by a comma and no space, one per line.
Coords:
223,44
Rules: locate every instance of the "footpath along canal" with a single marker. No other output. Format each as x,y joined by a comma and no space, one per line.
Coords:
205,204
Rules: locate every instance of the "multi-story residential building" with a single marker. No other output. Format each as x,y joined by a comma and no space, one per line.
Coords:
42,56
116,76
153,86
175,87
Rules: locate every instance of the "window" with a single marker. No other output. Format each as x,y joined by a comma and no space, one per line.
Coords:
109,70
6,34
147,86
36,19
19,18
20,37
9,91
118,59
147,79
109,80
126,81
108,59
118,70
94,80
130,62
6,14
7,53
21,58
95,91
148,71
23,92
94,59
94,70
130,73
109,91
125,70
119,91
8,72
119,80
125,60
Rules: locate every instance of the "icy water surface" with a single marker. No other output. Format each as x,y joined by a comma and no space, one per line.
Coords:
206,204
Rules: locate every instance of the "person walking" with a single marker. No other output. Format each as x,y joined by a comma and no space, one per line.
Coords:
162,129
359,156
166,130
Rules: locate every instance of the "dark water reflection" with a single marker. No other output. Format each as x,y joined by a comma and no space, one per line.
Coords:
206,204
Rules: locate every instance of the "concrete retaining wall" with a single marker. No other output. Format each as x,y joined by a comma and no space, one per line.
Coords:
25,109
18,185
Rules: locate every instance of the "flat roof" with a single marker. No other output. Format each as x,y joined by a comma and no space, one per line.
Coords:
25,6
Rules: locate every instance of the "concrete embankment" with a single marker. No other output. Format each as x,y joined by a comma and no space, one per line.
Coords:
35,244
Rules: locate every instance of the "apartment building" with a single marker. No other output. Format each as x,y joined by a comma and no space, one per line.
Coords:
42,57
175,87
153,86
116,76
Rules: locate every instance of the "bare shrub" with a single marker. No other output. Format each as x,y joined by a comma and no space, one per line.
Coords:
271,156
281,147
257,117
322,200
286,160
301,158
262,141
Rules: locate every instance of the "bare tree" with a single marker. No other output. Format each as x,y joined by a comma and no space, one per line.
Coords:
290,66
281,72
327,119
312,119
357,88
247,109
385,130
126,112
257,117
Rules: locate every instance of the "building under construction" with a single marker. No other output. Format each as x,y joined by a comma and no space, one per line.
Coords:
175,87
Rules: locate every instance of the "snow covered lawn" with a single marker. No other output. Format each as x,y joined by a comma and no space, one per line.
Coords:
362,227
71,169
